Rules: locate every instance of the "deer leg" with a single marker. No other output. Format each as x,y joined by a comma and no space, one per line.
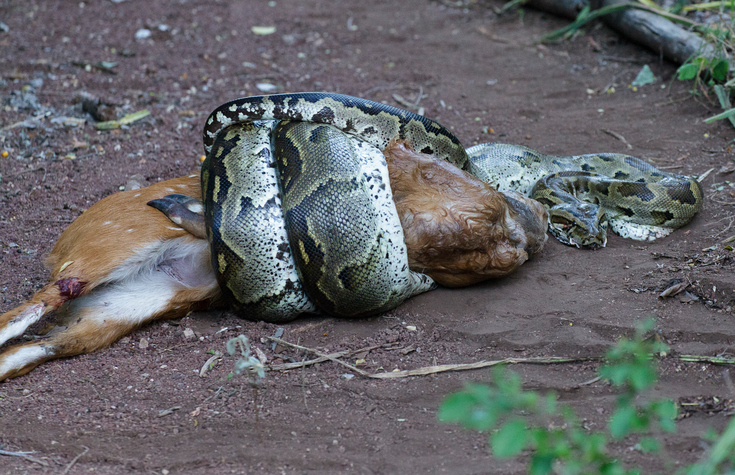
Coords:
177,279
14,322
84,336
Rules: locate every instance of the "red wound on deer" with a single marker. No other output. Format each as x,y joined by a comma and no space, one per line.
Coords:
70,287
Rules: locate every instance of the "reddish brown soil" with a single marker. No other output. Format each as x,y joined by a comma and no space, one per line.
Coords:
475,73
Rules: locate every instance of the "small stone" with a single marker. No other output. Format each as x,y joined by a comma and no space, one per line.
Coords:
266,87
136,182
189,334
143,343
142,34
263,30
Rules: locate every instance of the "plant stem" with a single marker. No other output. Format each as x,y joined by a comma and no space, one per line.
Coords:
723,115
706,6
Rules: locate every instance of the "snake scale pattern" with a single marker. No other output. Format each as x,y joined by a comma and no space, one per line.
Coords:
584,193
300,216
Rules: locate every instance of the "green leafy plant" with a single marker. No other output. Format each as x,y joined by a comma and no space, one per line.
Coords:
721,456
630,368
712,70
519,420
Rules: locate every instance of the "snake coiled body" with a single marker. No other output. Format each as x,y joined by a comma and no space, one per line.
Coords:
299,210
291,235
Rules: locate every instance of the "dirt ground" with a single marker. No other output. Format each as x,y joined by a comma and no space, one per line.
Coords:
476,74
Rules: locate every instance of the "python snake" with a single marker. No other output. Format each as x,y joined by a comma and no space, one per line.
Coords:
299,210
584,193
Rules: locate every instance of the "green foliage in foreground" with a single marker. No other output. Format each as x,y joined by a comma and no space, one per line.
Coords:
713,70
552,434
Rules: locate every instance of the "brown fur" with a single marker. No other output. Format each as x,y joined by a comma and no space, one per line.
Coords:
95,258
458,229
102,249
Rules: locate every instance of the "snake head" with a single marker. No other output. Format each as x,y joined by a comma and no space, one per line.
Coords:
582,225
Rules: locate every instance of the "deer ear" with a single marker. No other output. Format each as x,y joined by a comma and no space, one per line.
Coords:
183,210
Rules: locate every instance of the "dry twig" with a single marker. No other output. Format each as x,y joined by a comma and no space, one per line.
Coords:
320,354
480,364
618,136
24,455
321,359
210,363
166,412
74,460
707,359
436,368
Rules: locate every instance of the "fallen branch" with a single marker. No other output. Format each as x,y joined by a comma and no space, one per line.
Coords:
24,455
707,359
320,354
658,34
655,29
432,369
426,370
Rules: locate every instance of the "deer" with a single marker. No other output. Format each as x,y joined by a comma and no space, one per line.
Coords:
117,266
142,255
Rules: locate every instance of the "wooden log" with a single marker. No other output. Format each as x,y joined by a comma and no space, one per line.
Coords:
657,34
648,29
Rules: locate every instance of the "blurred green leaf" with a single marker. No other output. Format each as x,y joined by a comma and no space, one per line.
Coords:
472,408
688,71
622,421
649,444
666,412
719,68
510,440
